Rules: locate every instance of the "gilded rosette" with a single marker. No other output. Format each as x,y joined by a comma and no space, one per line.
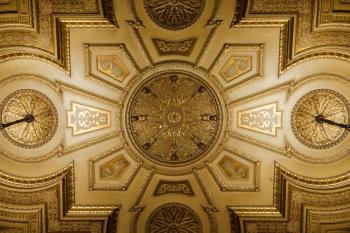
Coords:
25,102
332,106
174,14
173,217
174,118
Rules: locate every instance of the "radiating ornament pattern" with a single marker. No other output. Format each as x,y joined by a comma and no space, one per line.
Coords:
173,217
332,106
174,14
25,102
174,118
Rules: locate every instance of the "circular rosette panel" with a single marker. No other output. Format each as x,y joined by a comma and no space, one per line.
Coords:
321,102
174,118
174,14
173,217
33,133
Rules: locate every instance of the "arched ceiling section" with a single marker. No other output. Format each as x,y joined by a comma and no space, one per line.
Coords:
172,115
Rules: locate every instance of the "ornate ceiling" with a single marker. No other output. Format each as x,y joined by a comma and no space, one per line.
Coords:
174,116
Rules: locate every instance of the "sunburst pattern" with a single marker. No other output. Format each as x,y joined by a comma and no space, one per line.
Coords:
29,102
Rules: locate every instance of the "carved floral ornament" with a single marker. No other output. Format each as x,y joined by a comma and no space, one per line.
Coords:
35,132
173,217
174,14
173,118
321,102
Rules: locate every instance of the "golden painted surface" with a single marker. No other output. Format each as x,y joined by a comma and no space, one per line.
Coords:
173,118
17,13
19,218
328,103
49,40
111,171
236,66
114,168
174,47
29,102
293,196
174,14
233,169
51,197
332,12
85,119
167,186
264,119
112,66
44,39
302,36
173,217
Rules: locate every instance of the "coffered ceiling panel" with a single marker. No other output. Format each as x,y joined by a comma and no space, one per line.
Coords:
143,116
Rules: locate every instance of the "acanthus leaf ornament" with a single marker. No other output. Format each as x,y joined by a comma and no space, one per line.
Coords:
309,130
174,14
173,118
36,117
173,217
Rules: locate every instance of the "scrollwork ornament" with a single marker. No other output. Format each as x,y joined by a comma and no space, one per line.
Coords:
332,106
25,102
173,118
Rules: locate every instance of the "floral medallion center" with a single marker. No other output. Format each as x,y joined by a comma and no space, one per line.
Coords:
174,118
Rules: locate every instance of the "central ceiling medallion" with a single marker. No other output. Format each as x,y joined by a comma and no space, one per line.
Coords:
174,118
174,14
329,104
32,134
173,217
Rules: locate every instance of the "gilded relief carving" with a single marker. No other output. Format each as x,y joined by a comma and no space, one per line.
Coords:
112,170
332,13
16,218
307,40
173,217
44,197
112,66
40,43
166,186
44,40
332,106
174,14
289,150
172,47
115,168
293,196
236,66
173,118
28,102
85,119
109,64
264,119
18,14
233,169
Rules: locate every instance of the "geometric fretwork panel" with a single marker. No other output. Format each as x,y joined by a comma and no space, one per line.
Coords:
301,204
38,204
